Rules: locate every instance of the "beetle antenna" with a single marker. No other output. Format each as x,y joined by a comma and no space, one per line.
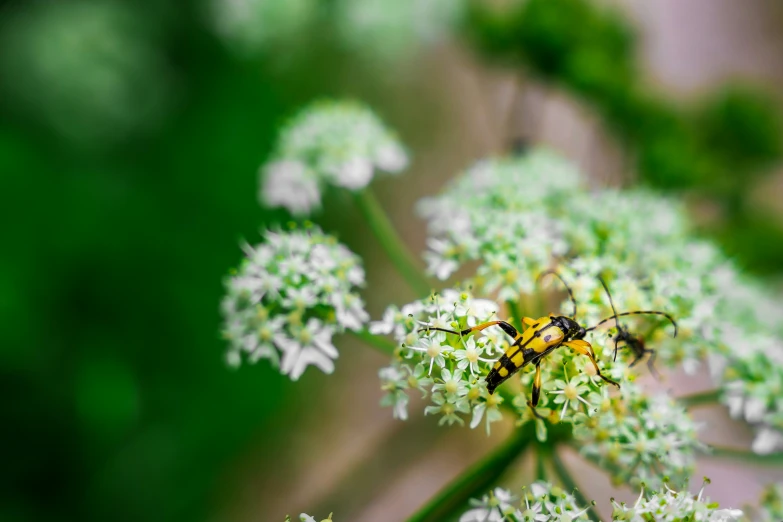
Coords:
570,293
611,302
638,312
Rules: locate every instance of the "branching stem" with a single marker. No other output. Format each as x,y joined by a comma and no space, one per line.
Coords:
770,459
378,342
391,242
475,481
570,485
704,398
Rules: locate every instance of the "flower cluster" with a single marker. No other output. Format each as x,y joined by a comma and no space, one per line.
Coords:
451,369
328,143
388,29
751,372
291,294
521,216
253,25
639,438
667,505
447,368
304,517
771,504
543,502
493,213
540,502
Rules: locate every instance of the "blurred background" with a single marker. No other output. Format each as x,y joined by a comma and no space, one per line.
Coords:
130,139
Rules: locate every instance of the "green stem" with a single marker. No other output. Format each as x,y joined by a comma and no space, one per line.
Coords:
704,398
391,242
475,481
382,344
516,314
773,459
542,454
570,485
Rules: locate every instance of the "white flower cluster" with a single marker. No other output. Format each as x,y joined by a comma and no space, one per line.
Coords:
254,25
328,143
289,297
304,517
386,29
667,505
521,216
451,369
493,213
751,371
543,502
771,504
540,502
447,368
639,438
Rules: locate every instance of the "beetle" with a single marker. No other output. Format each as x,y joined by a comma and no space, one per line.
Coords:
631,340
542,337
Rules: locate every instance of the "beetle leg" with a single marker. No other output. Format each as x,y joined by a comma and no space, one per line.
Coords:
584,348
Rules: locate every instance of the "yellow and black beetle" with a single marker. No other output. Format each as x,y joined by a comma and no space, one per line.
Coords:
542,337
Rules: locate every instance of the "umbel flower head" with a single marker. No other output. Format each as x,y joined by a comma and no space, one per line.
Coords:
751,373
771,504
547,503
667,505
639,438
540,502
328,143
448,369
254,25
289,297
380,30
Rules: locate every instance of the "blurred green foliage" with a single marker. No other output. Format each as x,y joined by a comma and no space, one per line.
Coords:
718,147
117,404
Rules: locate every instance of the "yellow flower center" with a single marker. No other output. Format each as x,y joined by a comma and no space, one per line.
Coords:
451,386
413,382
433,350
570,392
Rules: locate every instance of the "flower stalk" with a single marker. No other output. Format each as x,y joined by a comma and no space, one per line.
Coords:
382,344
705,398
476,479
391,242
569,484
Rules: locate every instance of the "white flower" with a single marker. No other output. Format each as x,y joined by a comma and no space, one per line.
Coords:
449,408
469,356
667,505
328,143
767,441
393,381
491,508
311,344
384,30
644,438
289,184
252,26
542,503
452,385
570,391
288,299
